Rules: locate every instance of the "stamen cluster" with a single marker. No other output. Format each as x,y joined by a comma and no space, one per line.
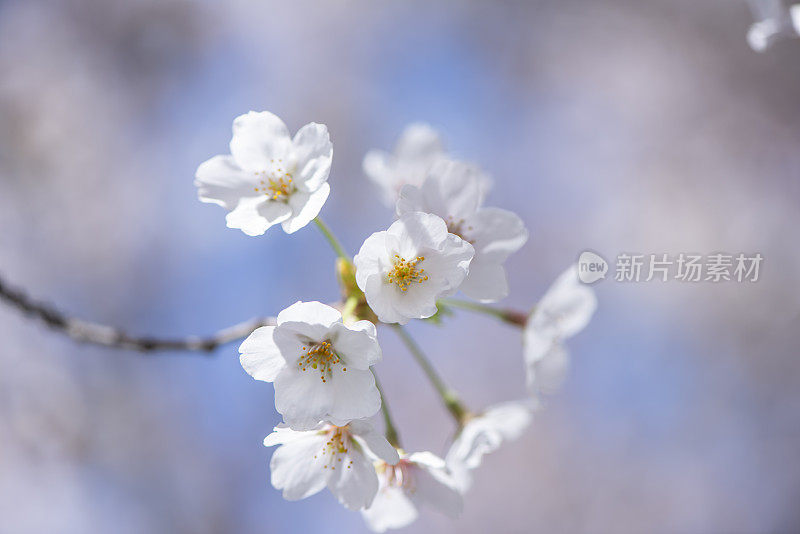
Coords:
278,185
337,445
405,272
321,357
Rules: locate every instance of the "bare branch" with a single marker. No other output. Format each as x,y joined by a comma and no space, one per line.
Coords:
108,336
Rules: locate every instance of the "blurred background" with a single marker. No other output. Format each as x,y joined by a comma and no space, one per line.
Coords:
615,125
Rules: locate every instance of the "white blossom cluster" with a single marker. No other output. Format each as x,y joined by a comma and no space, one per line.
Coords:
320,357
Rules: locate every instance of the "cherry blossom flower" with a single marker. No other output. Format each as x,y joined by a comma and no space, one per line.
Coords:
483,434
320,366
564,311
419,479
417,149
269,177
404,270
339,457
454,191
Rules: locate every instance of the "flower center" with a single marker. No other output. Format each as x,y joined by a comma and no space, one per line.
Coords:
336,448
398,476
320,357
277,184
406,272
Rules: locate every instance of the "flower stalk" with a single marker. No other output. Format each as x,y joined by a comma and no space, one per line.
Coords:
390,431
335,244
513,317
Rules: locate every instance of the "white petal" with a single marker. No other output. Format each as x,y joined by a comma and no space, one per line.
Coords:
566,308
305,206
415,231
353,394
484,434
295,470
794,14
283,434
762,33
313,153
374,441
354,484
410,199
419,300
547,373
381,298
259,138
419,141
379,168
471,445
427,459
419,147
312,312
510,419
486,281
377,165
434,487
451,264
302,398
357,344
391,509
221,181
290,342
452,190
260,356
372,258
254,215
495,233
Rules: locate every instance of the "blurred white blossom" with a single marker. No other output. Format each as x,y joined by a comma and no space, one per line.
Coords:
417,149
774,21
485,433
562,312
417,480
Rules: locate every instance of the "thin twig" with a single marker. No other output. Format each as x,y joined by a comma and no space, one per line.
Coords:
389,429
514,317
108,336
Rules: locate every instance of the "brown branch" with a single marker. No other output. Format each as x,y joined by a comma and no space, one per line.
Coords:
108,336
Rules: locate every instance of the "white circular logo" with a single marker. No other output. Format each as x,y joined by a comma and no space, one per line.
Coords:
591,267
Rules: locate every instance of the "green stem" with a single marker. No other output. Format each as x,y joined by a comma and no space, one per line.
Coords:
514,317
449,397
390,431
337,247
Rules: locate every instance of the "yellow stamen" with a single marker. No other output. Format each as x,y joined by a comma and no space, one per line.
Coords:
338,444
321,357
277,185
406,272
